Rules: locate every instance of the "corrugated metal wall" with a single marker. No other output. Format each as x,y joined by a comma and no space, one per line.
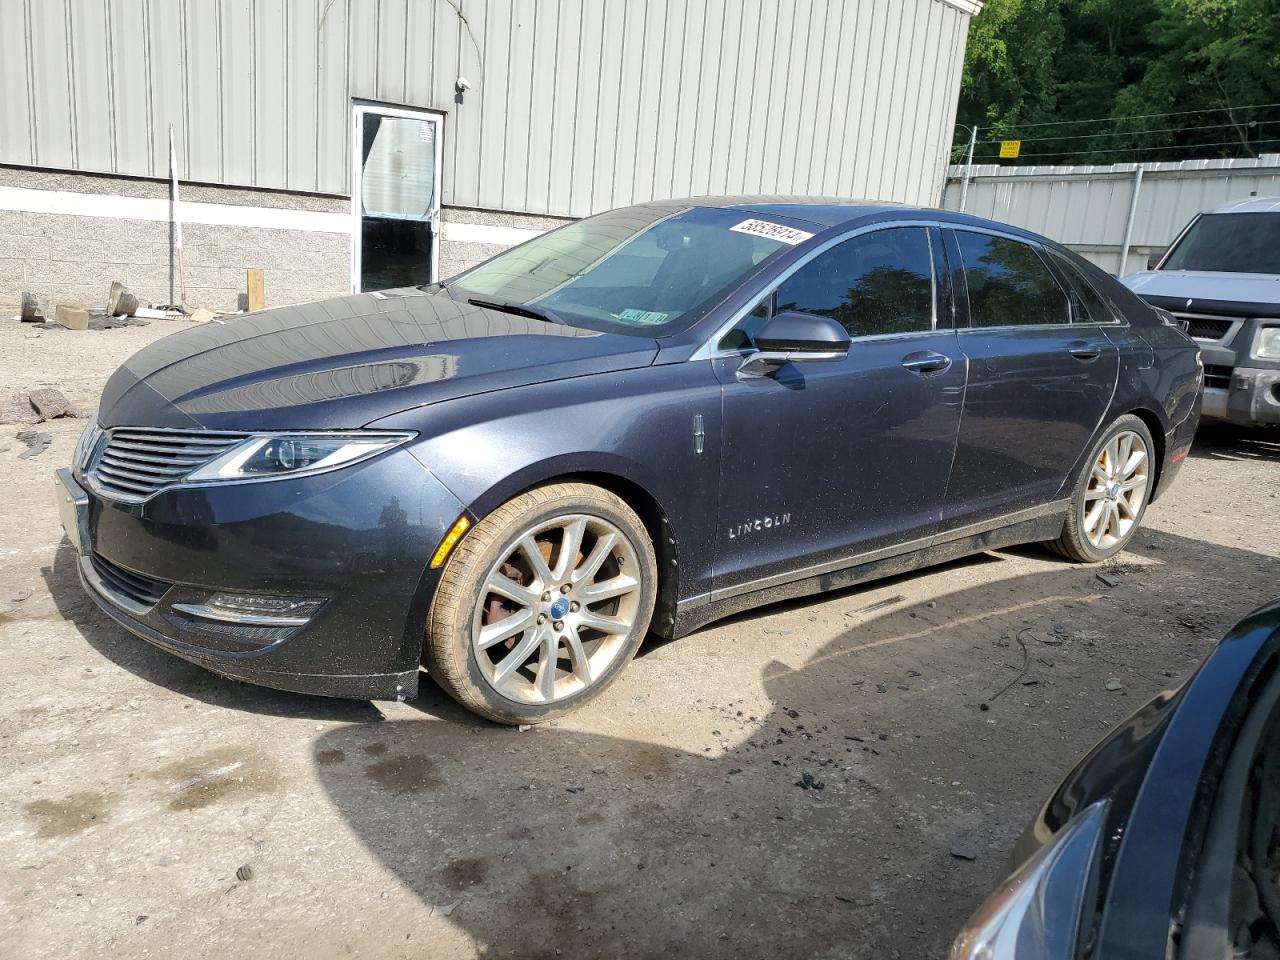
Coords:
1088,208
576,105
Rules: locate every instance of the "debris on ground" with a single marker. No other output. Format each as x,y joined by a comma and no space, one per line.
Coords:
30,312
73,318
881,604
1114,684
202,315
161,311
447,909
807,781
37,443
36,406
50,403
244,873
964,851
17,596
120,302
1022,672
104,322
1108,580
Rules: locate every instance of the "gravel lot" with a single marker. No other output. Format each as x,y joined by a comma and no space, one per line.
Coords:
151,809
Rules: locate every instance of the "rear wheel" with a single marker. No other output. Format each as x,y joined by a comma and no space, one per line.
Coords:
1111,495
542,604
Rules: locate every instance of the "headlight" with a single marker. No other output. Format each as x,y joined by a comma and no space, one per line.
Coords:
289,454
1266,345
1037,912
89,437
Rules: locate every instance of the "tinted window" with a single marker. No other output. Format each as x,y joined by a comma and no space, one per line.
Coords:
1087,305
1230,243
1009,285
877,283
650,270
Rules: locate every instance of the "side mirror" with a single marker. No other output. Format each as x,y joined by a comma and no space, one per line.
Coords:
1155,258
791,337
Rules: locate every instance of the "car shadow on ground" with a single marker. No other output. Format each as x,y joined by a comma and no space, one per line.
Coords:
839,824
163,669
1224,441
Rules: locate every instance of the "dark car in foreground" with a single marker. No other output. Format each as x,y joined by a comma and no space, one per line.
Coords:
1221,279
647,419
1163,841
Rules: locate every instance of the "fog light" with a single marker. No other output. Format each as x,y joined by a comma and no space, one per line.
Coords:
257,609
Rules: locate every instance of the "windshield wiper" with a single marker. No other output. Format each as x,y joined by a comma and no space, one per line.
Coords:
519,309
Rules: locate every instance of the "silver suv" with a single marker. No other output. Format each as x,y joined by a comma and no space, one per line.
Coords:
1221,279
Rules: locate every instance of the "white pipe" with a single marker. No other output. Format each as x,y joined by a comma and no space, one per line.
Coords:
1128,227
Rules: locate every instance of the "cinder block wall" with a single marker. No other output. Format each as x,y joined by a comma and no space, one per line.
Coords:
496,232
72,258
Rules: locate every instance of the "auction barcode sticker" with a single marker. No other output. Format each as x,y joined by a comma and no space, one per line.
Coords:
772,231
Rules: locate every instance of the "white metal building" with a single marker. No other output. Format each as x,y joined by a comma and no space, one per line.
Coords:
1116,215
342,144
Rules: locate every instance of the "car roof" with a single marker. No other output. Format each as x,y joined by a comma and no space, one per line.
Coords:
820,211
825,213
1250,205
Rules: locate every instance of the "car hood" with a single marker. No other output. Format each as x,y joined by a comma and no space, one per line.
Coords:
342,363
1172,289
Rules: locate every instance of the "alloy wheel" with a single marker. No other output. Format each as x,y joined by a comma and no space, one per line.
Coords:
557,608
1117,489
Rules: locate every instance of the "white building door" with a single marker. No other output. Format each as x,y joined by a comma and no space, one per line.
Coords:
395,197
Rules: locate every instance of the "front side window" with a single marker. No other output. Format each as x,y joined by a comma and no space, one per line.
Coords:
1009,285
651,270
1230,243
873,284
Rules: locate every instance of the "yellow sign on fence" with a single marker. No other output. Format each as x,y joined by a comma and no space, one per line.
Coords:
1009,149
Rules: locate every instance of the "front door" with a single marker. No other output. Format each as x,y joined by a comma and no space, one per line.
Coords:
1040,381
395,197
824,462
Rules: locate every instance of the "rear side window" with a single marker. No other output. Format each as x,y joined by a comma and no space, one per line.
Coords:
1009,285
1087,305
876,283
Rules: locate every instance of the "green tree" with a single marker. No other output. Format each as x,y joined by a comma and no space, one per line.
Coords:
1068,76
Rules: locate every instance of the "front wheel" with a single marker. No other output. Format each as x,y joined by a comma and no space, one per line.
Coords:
542,604
1111,496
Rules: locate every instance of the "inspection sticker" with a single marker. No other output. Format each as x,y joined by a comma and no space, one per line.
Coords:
772,231
632,315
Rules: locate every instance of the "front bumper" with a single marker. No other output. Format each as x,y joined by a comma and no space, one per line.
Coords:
360,538
1252,396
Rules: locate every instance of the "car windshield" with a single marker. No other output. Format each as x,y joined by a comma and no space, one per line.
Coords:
1230,243
651,271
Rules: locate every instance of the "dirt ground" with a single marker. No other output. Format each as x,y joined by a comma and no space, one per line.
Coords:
151,809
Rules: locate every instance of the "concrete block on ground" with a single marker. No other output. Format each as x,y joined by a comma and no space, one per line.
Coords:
73,318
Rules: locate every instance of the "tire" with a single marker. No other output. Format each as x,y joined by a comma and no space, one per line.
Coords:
492,587
1089,539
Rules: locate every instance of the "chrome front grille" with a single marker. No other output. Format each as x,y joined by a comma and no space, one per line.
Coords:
137,462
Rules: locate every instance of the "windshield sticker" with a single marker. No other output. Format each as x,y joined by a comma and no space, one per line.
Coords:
643,316
772,231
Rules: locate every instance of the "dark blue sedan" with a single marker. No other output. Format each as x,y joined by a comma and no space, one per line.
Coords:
644,420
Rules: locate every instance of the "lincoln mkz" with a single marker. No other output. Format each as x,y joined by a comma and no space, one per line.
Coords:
640,422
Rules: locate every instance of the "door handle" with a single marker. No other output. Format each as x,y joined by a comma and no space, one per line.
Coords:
925,362
1084,351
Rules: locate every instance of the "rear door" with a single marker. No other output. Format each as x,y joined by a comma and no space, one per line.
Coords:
1039,383
826,462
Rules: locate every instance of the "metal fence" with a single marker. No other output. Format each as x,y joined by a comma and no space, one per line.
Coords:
1115,215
